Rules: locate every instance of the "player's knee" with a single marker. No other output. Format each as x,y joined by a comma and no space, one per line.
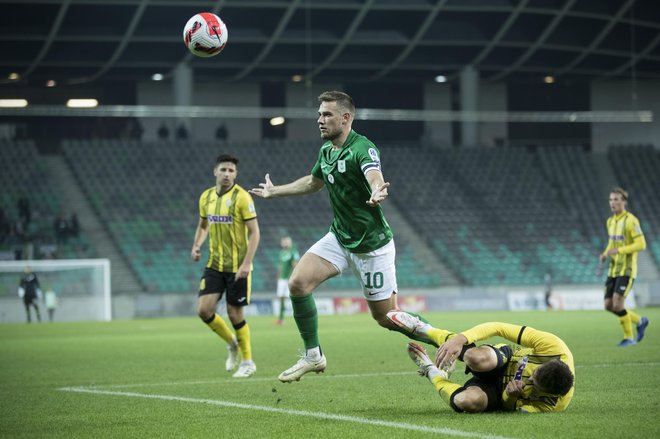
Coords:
235,314
298,286
205,313
481,359
470,401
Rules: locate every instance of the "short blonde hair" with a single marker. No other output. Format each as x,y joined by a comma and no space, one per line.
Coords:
620,191
343,100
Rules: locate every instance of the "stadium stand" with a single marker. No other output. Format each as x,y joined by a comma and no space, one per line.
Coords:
494,216
504,216
24,175
148,191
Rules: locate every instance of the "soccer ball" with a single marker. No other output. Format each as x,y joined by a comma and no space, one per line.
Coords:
205,34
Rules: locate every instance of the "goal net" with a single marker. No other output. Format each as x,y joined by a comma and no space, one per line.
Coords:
81,287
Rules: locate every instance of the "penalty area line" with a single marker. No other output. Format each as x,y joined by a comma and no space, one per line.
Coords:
318,415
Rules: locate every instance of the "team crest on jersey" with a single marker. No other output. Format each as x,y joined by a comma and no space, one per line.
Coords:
374,155
341,166
228,203
331,179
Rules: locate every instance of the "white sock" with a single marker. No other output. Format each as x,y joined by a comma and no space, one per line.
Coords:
433,372
314,353
423,328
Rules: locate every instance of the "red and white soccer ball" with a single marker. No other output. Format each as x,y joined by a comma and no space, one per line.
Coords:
205,34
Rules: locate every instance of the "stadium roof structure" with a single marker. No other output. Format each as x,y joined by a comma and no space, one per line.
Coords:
84,41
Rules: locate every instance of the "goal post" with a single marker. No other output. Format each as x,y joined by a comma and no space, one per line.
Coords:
81,286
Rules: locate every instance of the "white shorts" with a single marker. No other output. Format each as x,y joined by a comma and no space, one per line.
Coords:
375,270
282,287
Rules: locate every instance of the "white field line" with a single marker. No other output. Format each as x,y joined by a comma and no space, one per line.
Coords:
251,379
318,415
340,376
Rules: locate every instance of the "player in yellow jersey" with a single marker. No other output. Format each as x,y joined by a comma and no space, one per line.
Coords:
535,375
626,239
227,214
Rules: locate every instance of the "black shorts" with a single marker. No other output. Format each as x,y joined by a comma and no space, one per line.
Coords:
492,385
215,282
618,285
30,300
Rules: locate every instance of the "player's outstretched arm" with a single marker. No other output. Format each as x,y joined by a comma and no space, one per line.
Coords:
378,188
303,186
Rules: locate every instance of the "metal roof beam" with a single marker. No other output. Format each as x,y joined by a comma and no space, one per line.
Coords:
284,21
413,42
55,28
537,44
500,33
137,16
357,20
596,41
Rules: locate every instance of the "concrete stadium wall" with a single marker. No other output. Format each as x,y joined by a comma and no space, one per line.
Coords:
618,96
342,302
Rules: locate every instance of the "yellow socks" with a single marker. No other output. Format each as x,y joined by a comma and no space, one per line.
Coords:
634,317
439,335
243,337
626,326
218,325
445,388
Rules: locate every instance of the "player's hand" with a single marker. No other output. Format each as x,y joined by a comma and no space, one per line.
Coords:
378,195
265,190
515,388
602,258
243,272
196,253
450,350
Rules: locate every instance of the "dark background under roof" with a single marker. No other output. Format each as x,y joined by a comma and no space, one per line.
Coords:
334,40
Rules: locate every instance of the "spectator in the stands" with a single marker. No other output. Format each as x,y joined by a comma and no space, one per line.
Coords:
163,132
74,226
24,212
61,228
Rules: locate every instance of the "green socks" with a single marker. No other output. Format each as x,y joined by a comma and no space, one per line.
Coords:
304,312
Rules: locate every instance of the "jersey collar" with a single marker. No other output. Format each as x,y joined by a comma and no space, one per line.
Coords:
352,136
621,215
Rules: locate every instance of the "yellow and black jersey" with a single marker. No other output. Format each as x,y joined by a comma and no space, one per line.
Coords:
226,216
535,348
625,234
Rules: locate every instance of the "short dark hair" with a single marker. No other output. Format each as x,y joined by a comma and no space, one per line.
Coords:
222,158
343,100
554,377
620,191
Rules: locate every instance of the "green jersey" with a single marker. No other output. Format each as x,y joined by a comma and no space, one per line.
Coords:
288,256
358,227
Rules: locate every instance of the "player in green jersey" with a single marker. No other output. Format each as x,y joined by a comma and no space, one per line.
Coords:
360,239
289,257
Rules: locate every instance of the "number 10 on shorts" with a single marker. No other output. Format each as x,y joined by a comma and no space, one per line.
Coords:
377,280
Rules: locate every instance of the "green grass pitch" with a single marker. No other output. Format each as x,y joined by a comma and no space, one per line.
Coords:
166,378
